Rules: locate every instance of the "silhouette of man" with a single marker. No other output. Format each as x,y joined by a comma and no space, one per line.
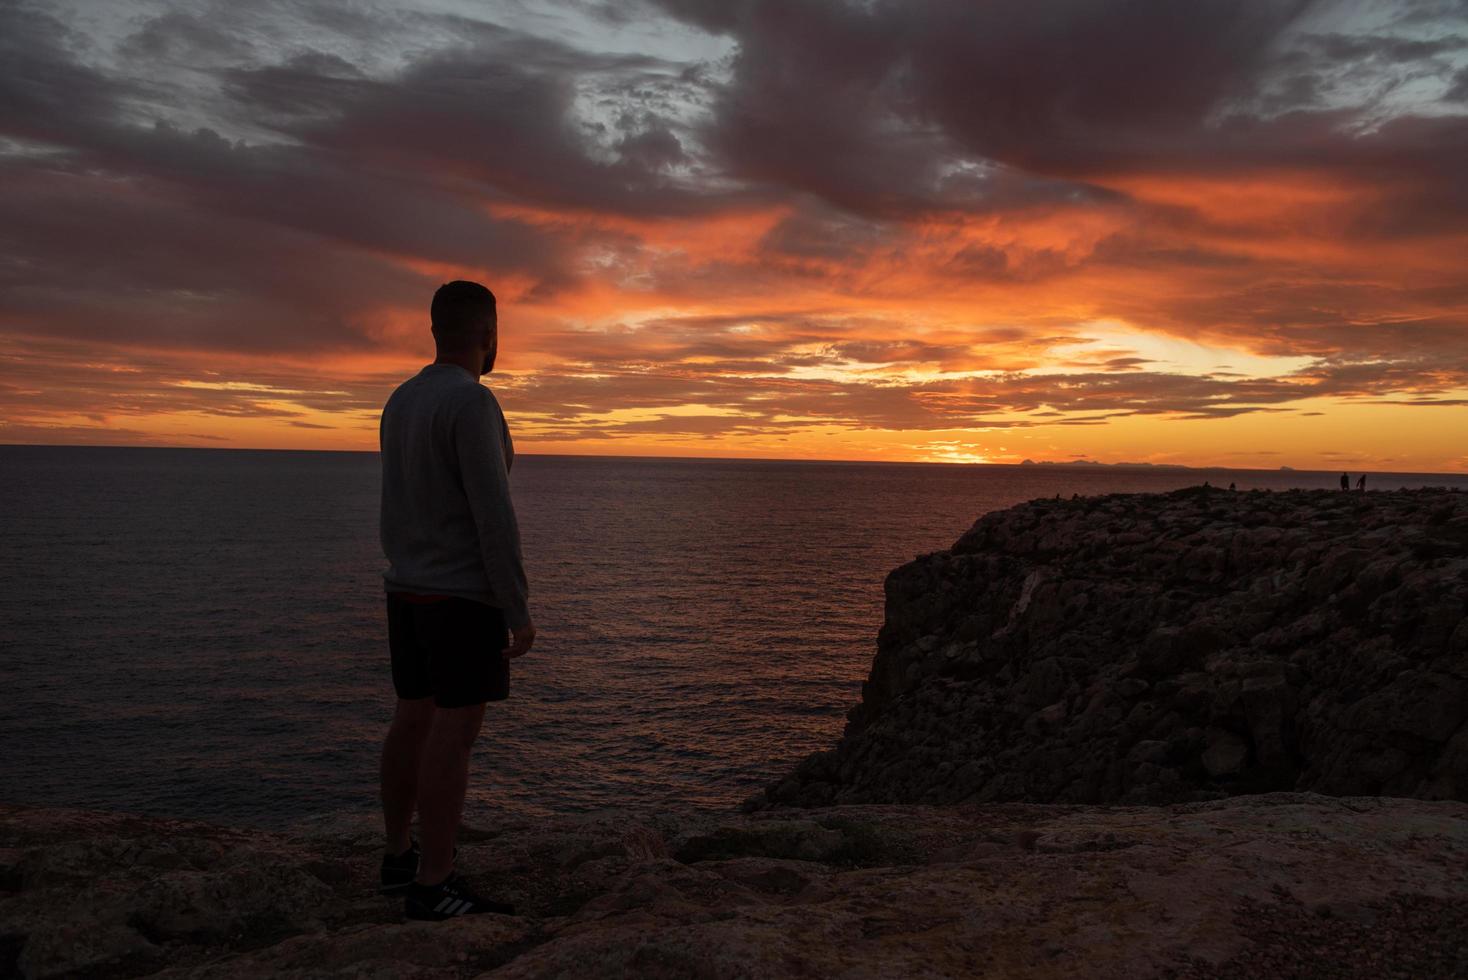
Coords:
1345,481
455,592
1361,483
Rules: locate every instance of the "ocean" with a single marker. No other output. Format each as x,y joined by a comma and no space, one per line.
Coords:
201,633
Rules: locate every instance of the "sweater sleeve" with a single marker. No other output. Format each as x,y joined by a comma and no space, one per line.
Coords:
479,441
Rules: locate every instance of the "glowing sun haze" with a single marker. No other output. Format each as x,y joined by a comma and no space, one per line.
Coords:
1228,232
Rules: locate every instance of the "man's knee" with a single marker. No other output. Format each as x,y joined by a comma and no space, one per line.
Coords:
457,727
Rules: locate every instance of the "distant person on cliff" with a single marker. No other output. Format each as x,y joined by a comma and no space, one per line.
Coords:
457,598
1345,481
1361,483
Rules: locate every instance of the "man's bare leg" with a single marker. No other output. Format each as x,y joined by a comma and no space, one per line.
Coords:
401,752
442,779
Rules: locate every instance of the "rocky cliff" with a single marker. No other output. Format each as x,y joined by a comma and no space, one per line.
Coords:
1159,648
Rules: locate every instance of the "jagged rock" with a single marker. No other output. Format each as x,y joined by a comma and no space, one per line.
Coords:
1225,754
1307,640
229,901
73,943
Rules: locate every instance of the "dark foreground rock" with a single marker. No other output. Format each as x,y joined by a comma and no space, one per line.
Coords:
1268,886
1159,648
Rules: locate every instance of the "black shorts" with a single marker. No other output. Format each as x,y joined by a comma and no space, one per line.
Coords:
449,649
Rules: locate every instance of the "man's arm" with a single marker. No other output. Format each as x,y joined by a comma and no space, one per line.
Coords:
479,442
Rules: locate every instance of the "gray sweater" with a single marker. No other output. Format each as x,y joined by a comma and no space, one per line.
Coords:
448,525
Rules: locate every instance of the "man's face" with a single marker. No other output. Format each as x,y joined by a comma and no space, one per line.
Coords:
492,342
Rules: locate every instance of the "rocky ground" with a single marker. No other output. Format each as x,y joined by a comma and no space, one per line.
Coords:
1158,648
1270,886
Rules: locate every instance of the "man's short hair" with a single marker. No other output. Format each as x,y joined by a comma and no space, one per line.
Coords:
457,308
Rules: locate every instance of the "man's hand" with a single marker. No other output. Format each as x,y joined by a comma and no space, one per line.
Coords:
520,642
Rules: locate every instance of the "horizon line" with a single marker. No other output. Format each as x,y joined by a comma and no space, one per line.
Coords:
1084,463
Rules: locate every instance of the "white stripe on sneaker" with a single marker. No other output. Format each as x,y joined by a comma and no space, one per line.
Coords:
447,901
458,907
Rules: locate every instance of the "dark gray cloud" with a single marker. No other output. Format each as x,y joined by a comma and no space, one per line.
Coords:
493,112
864,104
182,36
119,225
48,94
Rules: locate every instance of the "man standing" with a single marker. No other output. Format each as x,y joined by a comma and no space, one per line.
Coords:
456,592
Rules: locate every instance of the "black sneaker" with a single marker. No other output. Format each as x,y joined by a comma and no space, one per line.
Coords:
448,898
399,870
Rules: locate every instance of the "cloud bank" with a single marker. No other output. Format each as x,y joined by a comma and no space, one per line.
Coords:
745,227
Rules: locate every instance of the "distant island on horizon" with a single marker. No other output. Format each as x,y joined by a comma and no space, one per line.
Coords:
1155,466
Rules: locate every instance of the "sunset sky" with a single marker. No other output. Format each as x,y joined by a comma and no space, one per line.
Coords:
1229,232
